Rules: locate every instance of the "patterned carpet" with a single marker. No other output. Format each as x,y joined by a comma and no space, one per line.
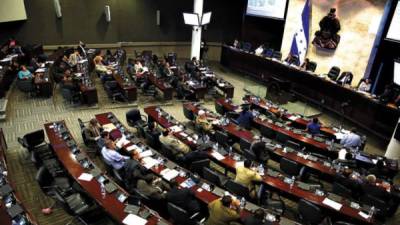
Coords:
26,114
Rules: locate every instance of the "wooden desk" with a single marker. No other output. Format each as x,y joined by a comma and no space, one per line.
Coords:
201,194
109,203
5,218
164,87
43,83
362,110
89,94
276,183
128,89
218,82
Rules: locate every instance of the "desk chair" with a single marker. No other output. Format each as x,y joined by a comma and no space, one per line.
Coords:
91,144
244,144
49,184
197,166
135,119
268,52
312,66
341,190
290,167
113,91
188,114
248,154
247,46
237,189
219,108
267,132
222,138
70,96
282,138
291,144
151,140
309,213
26,86
180,216
277,55
333,73
267,201
214,177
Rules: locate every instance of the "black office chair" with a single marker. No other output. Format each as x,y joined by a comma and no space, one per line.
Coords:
50,184
222,138
135,118
333,73
248,154
290,167
34,139
277,55
214,177
275,205
168,152
267,132
219,108
268,52
119,177
383,208
244,144
70,97
282,138
180,216
294,145
26,86
113,91
188,114
197,166
312,66
151,140
77,206
246,46
237,189
309,213
342,190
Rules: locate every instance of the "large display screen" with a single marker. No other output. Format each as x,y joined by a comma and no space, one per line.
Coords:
267,8
191,19
12,10
394,28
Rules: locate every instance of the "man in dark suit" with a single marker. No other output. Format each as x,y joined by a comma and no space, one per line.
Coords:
183,198
259,150
345,78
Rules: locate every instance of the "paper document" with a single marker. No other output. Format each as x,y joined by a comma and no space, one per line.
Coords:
169,174
121,142
146,154
132,147
40,70
109,127
217,155
293,118
363,215
239,164
149,162
132,219
175,129
85,177
335,205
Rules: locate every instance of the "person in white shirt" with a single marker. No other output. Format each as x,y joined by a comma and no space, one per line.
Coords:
112,157
365,85
74,58
351,139
259,50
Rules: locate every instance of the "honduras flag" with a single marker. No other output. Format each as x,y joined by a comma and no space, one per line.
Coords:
302,35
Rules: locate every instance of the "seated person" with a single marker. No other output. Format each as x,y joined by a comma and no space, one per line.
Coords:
379,170
130,67
68,83
223,211
99,65
236,44
258,218
365,85
245,118
152,130
195,62
346,159
245,176
314,127
259,149
24,73
183,197
112,157
104,136
94,129
259,50
327,36
351,139
345,78
390,94
306,65
139,69
203,122
153,187
292,59
74,58
167,139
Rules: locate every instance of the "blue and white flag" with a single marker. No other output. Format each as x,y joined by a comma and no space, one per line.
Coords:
302,35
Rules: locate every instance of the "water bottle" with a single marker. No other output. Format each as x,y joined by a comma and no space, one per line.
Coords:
293,181
371,212
215,146
103,190
261,169
242,203
230,150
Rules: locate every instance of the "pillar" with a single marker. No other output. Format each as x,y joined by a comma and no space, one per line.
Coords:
393,149
196,33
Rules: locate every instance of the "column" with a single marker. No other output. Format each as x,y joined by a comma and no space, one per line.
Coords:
393,149
196,33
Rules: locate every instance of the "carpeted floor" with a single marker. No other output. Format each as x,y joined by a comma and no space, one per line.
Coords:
26,114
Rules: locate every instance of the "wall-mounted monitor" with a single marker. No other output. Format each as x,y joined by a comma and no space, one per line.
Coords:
12,10
394,27
396,73
191,19
206,19
267,8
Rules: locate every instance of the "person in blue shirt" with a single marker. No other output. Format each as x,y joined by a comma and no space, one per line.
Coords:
314,127
245,118
24,73
351,139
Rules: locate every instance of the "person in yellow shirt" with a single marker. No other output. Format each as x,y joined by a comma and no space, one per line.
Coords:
203,122
245,176
167,139
223,211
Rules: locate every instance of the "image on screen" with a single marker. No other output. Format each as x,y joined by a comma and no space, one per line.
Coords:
191,19
267,8
396,74
12,10
206,18
394,27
